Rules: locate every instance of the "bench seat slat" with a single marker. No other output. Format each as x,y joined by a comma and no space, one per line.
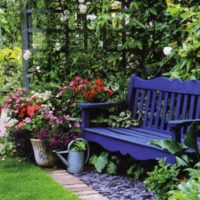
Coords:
134,137
140,134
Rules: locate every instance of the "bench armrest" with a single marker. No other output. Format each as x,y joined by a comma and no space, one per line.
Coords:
181,123
98,105
87,107
176,125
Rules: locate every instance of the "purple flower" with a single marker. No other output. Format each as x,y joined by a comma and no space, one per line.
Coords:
52,142
42,134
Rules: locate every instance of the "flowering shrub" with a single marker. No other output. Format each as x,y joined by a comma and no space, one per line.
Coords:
81,90
55,131
97,90
20,107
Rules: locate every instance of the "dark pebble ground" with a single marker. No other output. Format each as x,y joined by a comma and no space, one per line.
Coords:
116,187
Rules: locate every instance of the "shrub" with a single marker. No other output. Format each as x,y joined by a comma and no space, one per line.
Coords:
21,141
188,188
162,179
10,68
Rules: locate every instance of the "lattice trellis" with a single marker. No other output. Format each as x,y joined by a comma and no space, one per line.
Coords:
58,7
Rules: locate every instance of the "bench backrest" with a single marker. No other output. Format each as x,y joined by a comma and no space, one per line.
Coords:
161,99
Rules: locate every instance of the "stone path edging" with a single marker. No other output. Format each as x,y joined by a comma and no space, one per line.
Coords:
78,187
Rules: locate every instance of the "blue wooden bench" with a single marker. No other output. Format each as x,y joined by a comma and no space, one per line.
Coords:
165,106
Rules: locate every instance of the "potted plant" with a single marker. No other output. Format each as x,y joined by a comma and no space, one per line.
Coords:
28,111
76,155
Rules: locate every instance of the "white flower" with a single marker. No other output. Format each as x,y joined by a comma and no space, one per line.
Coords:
167,51
82,8
26,54
116,5
91,17
127,20
100,43
151,24
64,16
66,12
38,68
81,1
34,45
57,46
184,46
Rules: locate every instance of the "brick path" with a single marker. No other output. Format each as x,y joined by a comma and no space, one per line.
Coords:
75,185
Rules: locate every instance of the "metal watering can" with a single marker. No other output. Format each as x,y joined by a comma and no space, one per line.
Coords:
75,159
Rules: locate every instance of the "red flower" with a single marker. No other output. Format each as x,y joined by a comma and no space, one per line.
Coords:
22,112
89,95
32,109
109,92
19,125
180,180
100,82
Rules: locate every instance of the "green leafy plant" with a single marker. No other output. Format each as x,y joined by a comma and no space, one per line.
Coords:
6,147
187,53
105,162
189,187
10,68
124,119
79,145
180,150
162,179
135,171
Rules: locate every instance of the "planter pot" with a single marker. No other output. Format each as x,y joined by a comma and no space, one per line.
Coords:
43,157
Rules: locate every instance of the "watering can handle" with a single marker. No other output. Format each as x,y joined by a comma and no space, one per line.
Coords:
87,146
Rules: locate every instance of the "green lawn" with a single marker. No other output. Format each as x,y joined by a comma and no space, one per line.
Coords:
24,181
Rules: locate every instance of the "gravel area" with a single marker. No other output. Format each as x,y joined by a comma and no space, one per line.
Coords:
116,187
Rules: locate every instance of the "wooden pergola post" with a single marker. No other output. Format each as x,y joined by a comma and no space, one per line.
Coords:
26,23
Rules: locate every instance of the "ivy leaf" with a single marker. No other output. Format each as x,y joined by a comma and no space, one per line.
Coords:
93,160
112,168
101,163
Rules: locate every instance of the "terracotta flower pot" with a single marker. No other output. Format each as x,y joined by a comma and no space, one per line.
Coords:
43,157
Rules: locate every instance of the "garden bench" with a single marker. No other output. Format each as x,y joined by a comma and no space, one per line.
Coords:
165,105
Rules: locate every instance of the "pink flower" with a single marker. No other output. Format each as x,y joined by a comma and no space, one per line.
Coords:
72,83
27,120
67,117
74,104
78,78
77,125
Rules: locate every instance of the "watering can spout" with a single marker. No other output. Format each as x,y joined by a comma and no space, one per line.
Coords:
59,154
